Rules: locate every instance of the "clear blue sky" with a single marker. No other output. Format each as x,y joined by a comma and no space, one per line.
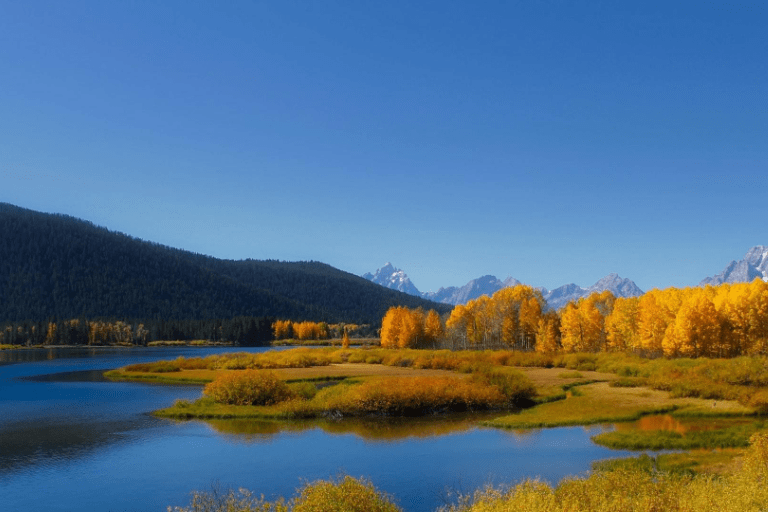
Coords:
551,141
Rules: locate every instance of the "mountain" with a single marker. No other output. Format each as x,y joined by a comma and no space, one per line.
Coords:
620,287
753,265
57,266
485,285
394,279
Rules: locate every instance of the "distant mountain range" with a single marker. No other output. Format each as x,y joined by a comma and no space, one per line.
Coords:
397,279
59,267
754,265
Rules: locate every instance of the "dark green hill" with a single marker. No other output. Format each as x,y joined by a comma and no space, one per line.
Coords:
58,266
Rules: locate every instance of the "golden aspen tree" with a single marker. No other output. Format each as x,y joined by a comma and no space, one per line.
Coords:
459,323
412,331
433,328
655,313
50,336
732,303
483,312
282,329
758,317
390,327
530,314
621,329
571,331
345,340
548,333
696,330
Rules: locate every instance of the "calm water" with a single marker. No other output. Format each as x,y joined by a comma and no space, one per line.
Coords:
70,441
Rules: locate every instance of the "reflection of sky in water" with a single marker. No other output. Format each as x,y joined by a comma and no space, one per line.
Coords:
85,445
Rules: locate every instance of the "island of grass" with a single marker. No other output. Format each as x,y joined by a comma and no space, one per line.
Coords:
314,383
715,403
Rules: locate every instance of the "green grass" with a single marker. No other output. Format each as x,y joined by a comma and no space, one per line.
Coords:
155,378
728,437
590,404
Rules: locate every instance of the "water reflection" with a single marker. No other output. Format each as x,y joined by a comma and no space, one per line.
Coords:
669,423
369,429
43,444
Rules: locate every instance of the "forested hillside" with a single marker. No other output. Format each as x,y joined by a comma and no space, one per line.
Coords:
57,266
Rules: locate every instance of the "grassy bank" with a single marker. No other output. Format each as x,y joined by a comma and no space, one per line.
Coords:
601,403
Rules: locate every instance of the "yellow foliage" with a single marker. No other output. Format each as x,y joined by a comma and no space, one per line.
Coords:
509,318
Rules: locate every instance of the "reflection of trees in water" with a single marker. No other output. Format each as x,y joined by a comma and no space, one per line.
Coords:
524,434
371,429
669,423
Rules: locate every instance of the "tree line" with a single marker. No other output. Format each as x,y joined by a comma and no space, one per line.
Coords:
287,329
245,331
723,321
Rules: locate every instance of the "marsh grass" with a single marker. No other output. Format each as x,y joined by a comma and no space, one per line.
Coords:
689,463
736,436
588,404
343,494
637,486
242,395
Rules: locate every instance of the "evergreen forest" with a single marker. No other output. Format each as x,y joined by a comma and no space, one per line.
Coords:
56,268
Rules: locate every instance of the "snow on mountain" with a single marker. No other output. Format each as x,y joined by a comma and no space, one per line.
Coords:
753,265
394,278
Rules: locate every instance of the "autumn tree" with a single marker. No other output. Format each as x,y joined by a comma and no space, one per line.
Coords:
548,333
433,328
582,324
695,331
621,325
402,328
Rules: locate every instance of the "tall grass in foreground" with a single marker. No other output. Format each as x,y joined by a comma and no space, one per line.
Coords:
346,494
616,488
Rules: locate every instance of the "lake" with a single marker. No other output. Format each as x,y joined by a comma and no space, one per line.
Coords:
71,441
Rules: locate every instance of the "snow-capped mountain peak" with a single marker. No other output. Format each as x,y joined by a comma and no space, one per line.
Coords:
753,265
394,278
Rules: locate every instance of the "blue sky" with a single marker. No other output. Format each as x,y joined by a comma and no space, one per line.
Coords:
550,141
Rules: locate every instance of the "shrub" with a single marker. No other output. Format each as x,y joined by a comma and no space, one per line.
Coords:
347,494
249,387
305,390
407,396
513,384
